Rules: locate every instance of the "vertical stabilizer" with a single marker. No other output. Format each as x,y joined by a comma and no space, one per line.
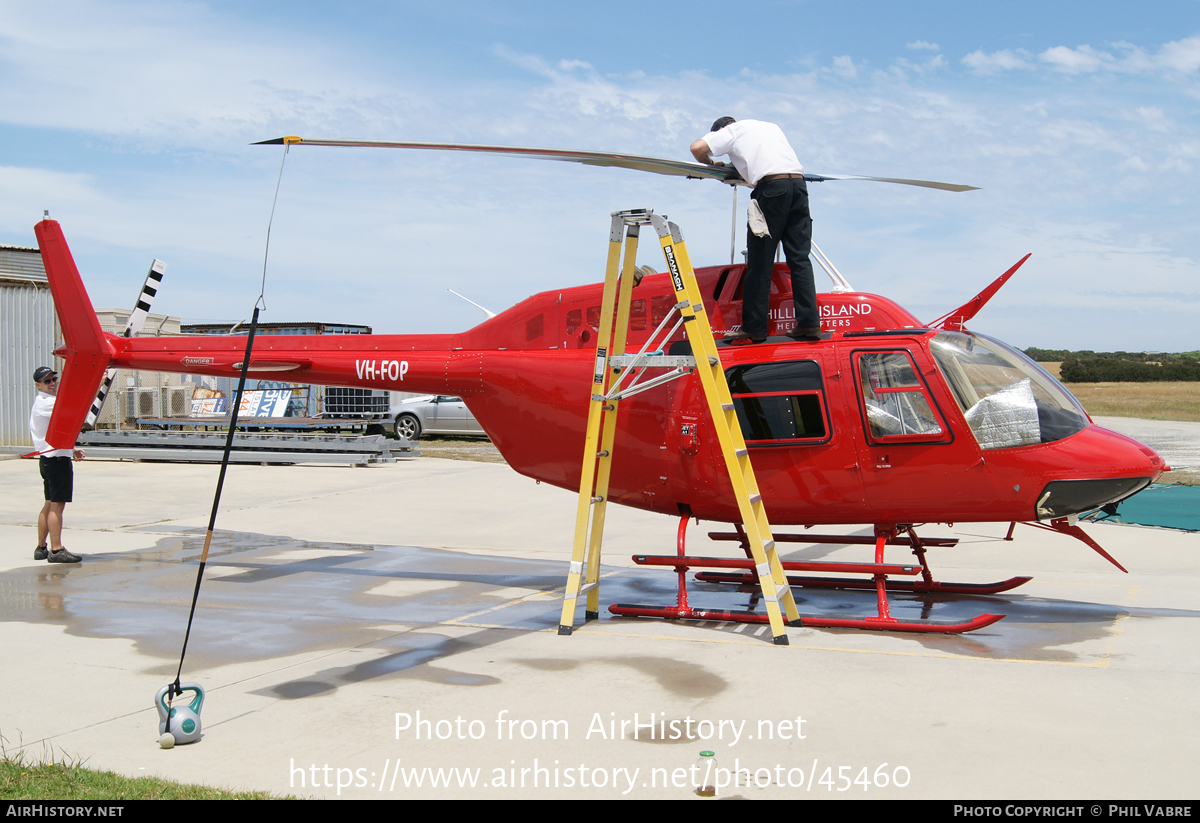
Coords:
86,352
956,320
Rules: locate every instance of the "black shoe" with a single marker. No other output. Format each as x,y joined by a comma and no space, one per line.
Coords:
805,334
744,335
63,556
40,553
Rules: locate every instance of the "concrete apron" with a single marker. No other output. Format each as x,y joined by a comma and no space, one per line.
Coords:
360,629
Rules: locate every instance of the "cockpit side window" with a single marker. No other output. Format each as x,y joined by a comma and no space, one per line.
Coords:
779,404
895,400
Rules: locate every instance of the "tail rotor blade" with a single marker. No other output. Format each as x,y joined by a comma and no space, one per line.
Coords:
137,319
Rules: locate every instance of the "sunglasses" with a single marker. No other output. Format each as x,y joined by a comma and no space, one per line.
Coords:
50,380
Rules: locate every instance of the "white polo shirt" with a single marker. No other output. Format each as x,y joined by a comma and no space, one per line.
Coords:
39,424
756,149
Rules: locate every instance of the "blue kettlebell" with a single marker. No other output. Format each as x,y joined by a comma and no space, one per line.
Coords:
185,720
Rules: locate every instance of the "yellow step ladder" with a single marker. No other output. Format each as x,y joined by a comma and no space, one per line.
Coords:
608,388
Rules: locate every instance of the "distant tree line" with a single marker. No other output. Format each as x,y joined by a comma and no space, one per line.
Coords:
1121,366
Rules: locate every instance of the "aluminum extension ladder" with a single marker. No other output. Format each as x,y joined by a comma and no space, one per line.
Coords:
612,367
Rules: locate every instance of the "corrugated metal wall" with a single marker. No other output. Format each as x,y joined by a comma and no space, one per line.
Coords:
29,332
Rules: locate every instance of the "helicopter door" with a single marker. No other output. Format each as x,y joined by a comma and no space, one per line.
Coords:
913,466
784,411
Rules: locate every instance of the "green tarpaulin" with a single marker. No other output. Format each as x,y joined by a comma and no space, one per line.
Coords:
1174,507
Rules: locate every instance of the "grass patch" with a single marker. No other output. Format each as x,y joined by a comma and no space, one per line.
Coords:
1149,401
474,449
67,780
1178,400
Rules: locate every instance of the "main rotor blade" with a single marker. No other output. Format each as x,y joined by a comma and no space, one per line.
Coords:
655,165
675,168
925,184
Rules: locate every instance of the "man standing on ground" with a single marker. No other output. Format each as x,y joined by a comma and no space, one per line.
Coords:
765,160
58,476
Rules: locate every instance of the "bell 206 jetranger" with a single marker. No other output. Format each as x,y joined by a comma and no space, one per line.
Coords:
889,421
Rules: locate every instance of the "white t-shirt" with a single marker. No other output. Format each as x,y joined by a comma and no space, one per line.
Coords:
39,423
756,149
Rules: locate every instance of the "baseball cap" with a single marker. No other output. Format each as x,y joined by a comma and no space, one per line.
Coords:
42,372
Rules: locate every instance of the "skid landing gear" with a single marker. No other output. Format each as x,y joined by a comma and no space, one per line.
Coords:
878,571
906,536
682,610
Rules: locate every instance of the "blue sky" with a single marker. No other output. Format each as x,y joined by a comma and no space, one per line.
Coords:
131,123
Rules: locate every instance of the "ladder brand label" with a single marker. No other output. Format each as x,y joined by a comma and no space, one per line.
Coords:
676,279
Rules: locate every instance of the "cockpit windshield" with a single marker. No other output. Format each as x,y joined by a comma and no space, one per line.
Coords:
1008,399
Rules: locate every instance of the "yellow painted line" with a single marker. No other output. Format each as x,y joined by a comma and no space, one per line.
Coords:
553,593
1117,631
752,641
793,646
1074,583
497,626
1103,664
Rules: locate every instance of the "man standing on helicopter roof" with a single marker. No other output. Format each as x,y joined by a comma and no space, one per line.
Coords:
778,211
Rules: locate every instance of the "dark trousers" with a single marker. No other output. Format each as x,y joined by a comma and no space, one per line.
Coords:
784,204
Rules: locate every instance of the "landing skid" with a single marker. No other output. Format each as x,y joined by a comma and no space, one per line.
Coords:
879,581
904,536
890,624
878,624
919,586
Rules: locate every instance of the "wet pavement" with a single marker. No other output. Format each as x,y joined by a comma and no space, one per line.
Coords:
338,602
265,596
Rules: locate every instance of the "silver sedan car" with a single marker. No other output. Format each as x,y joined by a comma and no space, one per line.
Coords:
434,414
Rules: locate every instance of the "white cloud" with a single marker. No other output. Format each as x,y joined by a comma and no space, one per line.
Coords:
902,66
1075,61
25,192
175,71
1003,60
1181,55
1152,117
1174,58
922,44
1064,157
571,65
845,66
529,62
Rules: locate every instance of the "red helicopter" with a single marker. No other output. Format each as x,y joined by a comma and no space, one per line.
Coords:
889,421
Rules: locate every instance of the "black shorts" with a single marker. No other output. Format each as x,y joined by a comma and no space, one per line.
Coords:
58,478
